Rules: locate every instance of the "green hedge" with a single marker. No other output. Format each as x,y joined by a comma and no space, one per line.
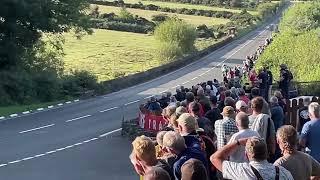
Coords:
151,7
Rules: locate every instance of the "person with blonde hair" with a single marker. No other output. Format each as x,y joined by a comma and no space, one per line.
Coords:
301,165
143,156
311,131
156,173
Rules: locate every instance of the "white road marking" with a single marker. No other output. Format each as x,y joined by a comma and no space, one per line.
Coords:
202,74
40,109
208,70
60,104
13,115
39,155
194,78
26,112
2,117
77,144
1,165
76,100
132,102
50,152
148,97
164,91
67,147
109,109
108,133
185,82
12,162
60,149
34,129
28,158
74,119
68,102
176,86
50,107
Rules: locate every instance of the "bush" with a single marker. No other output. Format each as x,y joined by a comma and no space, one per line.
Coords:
302,17
267,10
127,27
160,17
204,32
169,51
178,32
126,16
79,81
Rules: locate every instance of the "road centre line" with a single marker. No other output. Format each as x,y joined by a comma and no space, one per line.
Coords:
74,119
132,102
148,97
185,82
194,78
34,129
202,74
108,133
109,109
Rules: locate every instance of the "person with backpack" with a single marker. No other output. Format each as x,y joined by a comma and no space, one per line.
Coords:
269,80
285,79
258,167
263,124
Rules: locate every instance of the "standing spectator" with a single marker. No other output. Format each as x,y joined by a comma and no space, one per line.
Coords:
203,100
277,114
242,121
255,92
172,101
253,78
193,169
310,131
263,83
157,173
243,96
270,80
180,96
214,114
189,98
301,165
258,168
202,121
285,79
164,100
303,114
234,93
281,100
241,106
175,144
154,106
187,126
263,124
225,127
144,158
160,151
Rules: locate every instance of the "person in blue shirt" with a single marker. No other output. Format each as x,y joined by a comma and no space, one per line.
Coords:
311,131
173,142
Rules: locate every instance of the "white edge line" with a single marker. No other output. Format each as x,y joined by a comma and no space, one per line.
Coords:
28,158
109,109
2,117
76,100
148,97
194,78
50,106
164,91
132,102
68,102
186,82
108,133
26,112
36,128
40,109
1,165
12,162
60,104
74,119
39,155
13,115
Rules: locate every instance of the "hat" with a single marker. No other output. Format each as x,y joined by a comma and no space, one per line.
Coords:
187,120
241,104
283,66
228,111
193,169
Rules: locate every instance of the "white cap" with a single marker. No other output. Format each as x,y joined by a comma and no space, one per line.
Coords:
240,104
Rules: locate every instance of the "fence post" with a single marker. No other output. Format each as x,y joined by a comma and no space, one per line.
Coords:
294,108
288,109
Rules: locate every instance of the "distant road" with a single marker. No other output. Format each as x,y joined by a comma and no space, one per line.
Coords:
82,140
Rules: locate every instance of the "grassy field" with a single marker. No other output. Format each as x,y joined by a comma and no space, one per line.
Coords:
196,20
188,6
109,54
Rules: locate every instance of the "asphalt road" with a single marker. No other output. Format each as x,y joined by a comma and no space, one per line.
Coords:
82,140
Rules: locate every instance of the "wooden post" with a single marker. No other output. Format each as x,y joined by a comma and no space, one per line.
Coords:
288,109
294,109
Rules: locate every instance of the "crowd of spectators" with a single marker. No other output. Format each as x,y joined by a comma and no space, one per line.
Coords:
219,131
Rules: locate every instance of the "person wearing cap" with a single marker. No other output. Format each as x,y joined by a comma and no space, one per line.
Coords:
225,127
174,143
193,169
242,121
187,126
258,166
285,78
241,106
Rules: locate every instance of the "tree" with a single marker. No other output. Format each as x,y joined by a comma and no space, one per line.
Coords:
22,23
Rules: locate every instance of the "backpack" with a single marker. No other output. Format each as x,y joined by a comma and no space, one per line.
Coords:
270,140
290,75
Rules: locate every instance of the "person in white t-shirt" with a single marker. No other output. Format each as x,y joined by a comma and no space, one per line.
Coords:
258,166
242,122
